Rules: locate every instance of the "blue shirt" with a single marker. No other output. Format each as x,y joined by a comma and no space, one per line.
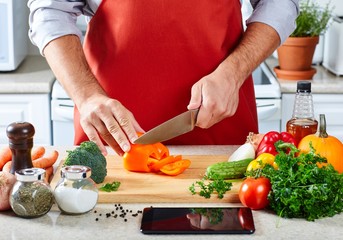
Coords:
51,19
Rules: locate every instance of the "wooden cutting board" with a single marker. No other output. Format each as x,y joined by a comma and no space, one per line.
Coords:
158,188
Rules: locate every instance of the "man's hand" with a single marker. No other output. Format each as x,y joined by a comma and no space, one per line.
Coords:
107,118
217,94
100,116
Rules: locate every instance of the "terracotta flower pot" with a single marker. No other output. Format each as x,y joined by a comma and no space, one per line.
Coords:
296,55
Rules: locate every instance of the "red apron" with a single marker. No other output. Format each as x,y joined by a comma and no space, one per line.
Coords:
148,54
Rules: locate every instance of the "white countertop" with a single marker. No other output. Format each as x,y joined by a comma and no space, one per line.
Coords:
32,76
55,225
323,81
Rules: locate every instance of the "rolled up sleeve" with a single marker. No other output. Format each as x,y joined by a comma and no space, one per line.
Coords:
279,14
51,19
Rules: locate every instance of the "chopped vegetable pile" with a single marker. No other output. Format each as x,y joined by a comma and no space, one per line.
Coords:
154,158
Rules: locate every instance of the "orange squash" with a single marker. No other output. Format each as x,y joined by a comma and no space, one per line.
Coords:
325,145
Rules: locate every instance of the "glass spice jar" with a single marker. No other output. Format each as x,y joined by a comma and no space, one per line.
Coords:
30,196
76,192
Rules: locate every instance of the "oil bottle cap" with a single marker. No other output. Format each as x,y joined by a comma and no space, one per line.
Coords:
304,86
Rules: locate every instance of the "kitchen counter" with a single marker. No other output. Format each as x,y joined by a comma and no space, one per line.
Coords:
323,81
32,76
55,225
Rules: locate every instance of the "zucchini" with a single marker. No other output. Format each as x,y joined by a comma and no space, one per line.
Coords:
228,170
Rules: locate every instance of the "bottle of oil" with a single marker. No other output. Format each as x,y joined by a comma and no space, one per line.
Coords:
303,121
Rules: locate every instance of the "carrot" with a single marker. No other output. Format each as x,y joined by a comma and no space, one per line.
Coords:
37,152
48,173
7,166
5,156
46,161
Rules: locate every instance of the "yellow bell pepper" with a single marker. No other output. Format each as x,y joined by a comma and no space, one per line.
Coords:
261,161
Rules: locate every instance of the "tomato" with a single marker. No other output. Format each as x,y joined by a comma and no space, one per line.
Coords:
261,161
253,192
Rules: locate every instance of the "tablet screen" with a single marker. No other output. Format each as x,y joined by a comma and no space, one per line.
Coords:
197,220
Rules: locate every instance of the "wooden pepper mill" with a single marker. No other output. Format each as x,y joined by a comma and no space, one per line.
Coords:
20,135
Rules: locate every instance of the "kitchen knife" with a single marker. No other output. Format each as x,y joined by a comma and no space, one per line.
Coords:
183,123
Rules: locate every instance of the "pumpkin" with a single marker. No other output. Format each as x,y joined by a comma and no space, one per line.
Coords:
325,145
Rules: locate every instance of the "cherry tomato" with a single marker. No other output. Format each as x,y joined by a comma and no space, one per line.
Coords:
253,192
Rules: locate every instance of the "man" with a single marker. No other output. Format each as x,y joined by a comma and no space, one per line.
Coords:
144,62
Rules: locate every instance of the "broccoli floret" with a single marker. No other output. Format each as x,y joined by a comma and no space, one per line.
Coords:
88,154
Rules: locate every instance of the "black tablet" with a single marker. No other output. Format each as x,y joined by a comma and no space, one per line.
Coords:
161,220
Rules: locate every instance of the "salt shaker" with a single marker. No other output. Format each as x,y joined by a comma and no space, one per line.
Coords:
30,196
76,192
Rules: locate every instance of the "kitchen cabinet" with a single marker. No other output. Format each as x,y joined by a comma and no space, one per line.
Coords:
329,104
33,108
25,95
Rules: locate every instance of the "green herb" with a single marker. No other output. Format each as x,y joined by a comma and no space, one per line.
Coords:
110,187
32,199
301,189
214,215
217,185
312,20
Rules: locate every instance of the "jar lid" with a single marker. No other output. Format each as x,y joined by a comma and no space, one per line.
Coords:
30,174
304,86
76,172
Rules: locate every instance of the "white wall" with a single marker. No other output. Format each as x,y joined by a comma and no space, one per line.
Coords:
336,4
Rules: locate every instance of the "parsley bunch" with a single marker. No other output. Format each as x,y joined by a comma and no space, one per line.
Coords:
206,188
301,189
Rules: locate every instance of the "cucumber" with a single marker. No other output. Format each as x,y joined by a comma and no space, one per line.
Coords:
228,170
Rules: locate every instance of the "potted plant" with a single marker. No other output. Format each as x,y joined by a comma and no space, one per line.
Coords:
296,53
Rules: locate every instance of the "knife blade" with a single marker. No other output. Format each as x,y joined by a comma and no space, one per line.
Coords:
181,124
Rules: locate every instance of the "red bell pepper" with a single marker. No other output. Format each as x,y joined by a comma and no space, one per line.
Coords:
269,139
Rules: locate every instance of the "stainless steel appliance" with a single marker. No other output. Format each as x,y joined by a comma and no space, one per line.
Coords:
268,99
333,47
13,33
333,44
62,115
